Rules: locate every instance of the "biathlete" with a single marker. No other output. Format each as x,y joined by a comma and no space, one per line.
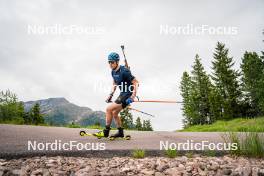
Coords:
127,84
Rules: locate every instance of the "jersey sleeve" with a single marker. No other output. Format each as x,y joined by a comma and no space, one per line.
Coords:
128,75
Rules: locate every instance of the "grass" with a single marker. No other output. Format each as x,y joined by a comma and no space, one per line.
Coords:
171,153
249,144
235,125
189,154
98,127
138,153
21,122
13,121
209,153
73,126
95,127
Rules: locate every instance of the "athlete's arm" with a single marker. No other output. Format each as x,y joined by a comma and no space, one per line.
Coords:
109,99
113,88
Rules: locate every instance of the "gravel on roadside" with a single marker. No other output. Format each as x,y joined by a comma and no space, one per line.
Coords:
156,166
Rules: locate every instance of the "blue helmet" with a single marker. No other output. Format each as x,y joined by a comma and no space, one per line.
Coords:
113,57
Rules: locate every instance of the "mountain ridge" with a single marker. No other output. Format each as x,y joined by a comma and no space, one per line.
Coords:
59,111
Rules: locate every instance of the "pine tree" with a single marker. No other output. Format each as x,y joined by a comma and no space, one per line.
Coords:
215,105
202,88
127,119
144,125
226,83
138,124
20,109
20,113
190,110
27,118
262,83
148,126
36,116
253,81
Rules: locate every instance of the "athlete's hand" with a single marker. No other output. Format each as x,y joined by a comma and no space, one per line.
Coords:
133,97
129,101
109,99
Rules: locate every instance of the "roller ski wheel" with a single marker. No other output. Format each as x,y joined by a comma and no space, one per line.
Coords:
82,133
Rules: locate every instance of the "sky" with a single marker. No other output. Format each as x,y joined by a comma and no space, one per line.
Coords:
55,48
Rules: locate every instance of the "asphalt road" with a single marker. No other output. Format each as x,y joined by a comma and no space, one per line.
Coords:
14,141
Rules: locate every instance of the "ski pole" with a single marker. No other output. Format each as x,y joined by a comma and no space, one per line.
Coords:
141,111
157,101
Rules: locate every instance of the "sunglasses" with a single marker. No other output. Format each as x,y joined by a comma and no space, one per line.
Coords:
111,62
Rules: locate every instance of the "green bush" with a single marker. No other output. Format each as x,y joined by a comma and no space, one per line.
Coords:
138,153
209,153
171,153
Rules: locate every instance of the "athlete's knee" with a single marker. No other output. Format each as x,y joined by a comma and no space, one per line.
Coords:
109,109
115,114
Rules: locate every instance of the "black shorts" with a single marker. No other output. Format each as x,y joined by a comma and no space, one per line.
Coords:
121,99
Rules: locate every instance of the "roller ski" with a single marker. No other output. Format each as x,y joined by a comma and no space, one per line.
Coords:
105,134
98,134
101,134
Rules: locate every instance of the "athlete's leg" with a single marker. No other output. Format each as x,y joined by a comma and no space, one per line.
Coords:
115,109
110,112
120,132
117,117
108,115
108,121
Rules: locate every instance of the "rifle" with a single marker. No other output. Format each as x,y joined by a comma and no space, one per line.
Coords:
126,64
123,50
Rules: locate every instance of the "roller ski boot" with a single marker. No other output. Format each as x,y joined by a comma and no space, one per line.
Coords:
102,134
120,135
